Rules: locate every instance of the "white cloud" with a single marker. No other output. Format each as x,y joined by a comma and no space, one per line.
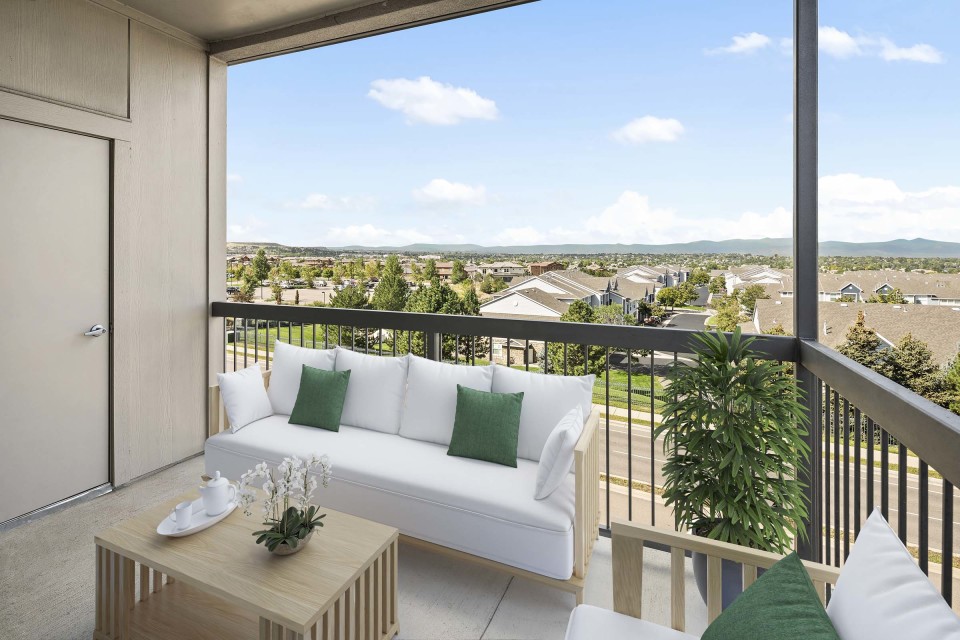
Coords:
323,202
520,236
443,192
250,229
631,219
430,102
649,129
916,53
233,178
743,44
777,224
838,44
371,236
860,208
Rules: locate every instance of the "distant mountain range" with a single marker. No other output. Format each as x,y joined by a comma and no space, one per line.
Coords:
916,248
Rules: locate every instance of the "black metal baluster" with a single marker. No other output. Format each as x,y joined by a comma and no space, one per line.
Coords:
508,352
301,334
856,472
902,493
923,528
235,342
607,427
836,479
225,342
526,355
326,336
630,437
846,479
946,580
546,357
653,452
565,361
245,327
871,469
825,457
884,475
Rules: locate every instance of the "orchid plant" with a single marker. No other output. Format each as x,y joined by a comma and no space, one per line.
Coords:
287,512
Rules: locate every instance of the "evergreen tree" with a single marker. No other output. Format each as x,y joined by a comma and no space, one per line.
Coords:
430,270
911,365
392,291
951,380
471,303
613,314
350,297
579,311
296,296
261,268
728,313
699,277
717,285
458,273
750,295
864,346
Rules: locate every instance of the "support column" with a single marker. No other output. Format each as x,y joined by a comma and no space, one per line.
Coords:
805,249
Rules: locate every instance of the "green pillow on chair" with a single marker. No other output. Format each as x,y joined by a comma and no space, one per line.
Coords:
320,399
781,605
486,426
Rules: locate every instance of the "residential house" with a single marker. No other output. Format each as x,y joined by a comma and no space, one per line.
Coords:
505,271
539,268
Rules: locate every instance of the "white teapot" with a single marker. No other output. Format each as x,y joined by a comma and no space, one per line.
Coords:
217,495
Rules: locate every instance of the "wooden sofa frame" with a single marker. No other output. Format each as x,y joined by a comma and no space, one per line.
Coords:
586,527
628,543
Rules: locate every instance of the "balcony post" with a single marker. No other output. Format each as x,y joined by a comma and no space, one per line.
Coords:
432,340
805,252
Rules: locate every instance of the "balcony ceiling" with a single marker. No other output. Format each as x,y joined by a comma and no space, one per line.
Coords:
214,20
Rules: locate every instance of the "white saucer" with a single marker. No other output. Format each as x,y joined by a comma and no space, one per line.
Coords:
198,521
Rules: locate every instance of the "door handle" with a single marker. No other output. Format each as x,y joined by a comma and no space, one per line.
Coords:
96,331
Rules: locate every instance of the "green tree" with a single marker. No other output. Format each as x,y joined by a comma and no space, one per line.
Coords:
471,303
296,296
275,287
728,312
458,273
573,363
613,314
417,272
392,291
951,380
437,298
776,330
864,346
668,297
717,285
911,365
750,295
492,285
350,297
261,268
686,293
430,270
894,297
309,275
699,277
247,288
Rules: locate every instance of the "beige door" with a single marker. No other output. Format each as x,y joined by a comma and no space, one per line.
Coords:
54,287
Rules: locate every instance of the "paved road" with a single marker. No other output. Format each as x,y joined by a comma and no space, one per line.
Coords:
640,453
693,321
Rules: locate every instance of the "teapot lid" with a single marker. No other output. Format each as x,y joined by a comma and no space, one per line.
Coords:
217,480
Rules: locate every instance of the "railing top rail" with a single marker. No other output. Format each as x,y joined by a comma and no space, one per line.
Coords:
782,348
927,429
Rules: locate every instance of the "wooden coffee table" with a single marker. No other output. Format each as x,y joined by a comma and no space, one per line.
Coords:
219,584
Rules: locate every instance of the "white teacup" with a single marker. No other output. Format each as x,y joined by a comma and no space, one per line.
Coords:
182,513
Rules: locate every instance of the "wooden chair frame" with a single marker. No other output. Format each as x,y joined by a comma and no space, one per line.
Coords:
586,527
628,544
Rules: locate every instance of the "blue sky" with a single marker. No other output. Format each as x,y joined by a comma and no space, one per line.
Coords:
610,121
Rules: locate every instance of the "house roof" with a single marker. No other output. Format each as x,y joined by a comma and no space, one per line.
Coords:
937,326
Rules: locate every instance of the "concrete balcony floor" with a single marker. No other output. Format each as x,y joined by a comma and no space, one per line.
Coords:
47,579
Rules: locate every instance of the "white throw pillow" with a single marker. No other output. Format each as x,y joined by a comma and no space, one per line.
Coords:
883,595
546,399
286,369
430,407
244,397
375,393
557,455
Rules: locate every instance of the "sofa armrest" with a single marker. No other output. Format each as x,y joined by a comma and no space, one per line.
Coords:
629,540
217,420
586,463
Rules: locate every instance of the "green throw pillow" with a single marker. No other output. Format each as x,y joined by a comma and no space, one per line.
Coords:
781,605
320,399
487,426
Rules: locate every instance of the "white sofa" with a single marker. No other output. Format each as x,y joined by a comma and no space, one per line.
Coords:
390,461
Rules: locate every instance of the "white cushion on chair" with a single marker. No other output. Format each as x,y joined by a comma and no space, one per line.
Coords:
557,456
286,369
882,594
546,399
244,397
375,393
430,407
593,623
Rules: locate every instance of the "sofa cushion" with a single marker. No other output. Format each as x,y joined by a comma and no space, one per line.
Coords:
781,605
285,370
486,426
477,507
589,623
558,453
375,393
244,396
430,406
883,595
320,399
546,399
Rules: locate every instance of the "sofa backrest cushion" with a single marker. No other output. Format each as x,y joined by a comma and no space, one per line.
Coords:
375,393
244,398
558,453
286,369
546,399
882,594
430,406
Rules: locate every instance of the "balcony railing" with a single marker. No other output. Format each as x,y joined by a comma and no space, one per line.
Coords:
913,458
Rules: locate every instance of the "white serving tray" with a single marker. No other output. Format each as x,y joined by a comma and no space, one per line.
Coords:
198,521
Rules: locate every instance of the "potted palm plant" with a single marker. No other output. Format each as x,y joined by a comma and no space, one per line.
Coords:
734,442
